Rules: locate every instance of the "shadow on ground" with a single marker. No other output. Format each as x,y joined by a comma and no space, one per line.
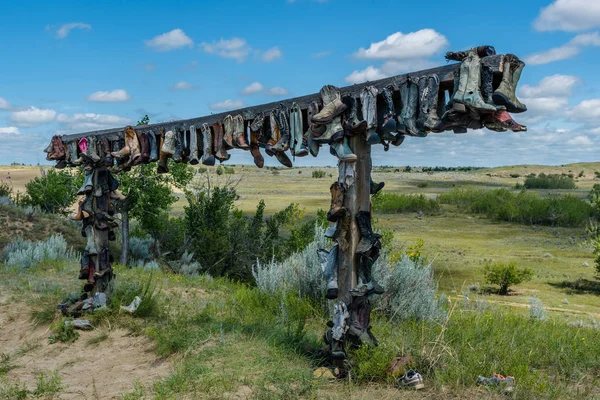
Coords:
579,286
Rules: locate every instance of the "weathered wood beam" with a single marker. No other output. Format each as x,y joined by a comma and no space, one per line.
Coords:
445,73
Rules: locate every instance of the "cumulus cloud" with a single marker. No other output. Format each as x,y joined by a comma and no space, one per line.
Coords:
277,91
253,88
4,104
236,48
168,41
580,141
586,110
91,121
115,96
368,74
398,46
550,86
182,85
568,50
64,30
271,54
227,105
32,116
10,130
569,15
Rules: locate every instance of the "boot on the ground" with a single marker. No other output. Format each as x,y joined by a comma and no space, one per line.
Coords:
208,158
506,95
313,146
337,209
332,105
329,265
368,99
368,238
239,137
388,115
228,129
342,150
469,94
352,123
298,142
153,146
194,158
219,143
376,187
281,116
428,119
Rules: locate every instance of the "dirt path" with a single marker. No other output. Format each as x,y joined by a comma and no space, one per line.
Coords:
102,370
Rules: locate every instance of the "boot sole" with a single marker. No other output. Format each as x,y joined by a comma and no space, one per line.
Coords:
501,100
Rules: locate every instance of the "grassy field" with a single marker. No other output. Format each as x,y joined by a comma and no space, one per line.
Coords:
215,339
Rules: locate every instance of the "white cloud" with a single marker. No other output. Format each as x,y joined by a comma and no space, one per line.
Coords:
277,91
172,40
321,54
235,48
9,130
64,30
271,54
580,141
398,46
390,68
254,87
4,104
586,110
182,86
115,96
551,86
568,50
32,116
227,105
91,121
569,15
368,74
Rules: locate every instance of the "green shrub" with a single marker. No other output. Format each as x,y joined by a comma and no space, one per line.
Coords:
422,184
228,170
581,173
6,190
53,192
402,203
515,175
506,275
63,331
220,170
550,181
319,174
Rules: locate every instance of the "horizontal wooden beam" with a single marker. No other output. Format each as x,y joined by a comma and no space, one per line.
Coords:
445,74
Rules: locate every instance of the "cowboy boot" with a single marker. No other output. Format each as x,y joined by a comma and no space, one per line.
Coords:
178,154
283,159
208,158
332,105
239,138
338,330
468,94
337,209
298,143
152,142
428,119
49,150
365,267
168,145
90,234
388,115
144,146
329,265
193,146
342,151
353,124
259,160
333,132
72,146
82,145
450,118
368,238
500,121
92,151
84,271
168,137
81,213
281,117
375,187
409,93
107,159
229,127
368,99
360,318
54,149
481,51
88,183
125,150
487,86
313,146
273,134
218,142
505,95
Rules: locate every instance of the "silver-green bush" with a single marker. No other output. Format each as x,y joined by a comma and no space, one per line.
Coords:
25,254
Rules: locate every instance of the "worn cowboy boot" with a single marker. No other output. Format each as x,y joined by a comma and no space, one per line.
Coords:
194,159
144,146
313,146
72,147
342,151
376,187
409,93
168,144
368,99
469,95
49,149
84,271
338,331
55,150
329,265
90,234
481,51
505,95
239,138
333,132
428,119
228,128
259,160
298,143
337,209
178,154
208,158
106,157
273,135
125,151
352,123
365,267
487,87
92,153
368,238
153,146
360,317
219,143
80,213
500,121
388,115
281,116
332,105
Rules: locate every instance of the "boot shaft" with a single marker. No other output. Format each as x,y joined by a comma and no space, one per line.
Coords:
193,146
153,146
219,142
228,127
239,137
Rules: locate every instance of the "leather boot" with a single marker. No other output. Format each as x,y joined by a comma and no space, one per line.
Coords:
273,136
228,129
500,121
144,147
360,318
92,150
428,119
168,144
352,123
505,95
333,132
298,143
487,86
126,150
82,145
388,115
313,146
281,117
337,334
80,214
469,95
178,154
219,143
163,159
450,114
84,271
342,151
72,146
56,149
409,93
337,209
329,265
88,183
256,127
153,146
368,238
365,268
332,105
239,137
368,99
90,234
194,159
481,51
376,187
49,149
208,158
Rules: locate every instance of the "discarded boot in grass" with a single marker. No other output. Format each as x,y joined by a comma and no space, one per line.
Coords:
410,380
337,209
208,158
219,142
376,187
228,128
352,123
428,119
281,117
505,95
368,99
332,105
342,151
368,238
239,137
329,266
468,94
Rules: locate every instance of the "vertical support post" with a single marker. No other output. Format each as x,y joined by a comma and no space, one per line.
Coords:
357,198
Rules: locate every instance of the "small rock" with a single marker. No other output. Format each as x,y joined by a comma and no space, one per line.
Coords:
83,324
586,264
547,255
565,301
323,373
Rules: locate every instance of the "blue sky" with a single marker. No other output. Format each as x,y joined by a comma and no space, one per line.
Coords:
74,66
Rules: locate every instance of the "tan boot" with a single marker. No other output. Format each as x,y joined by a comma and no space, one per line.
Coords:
239,139
219,142
332,105
337,209
229,128
80,214
126,150
255,150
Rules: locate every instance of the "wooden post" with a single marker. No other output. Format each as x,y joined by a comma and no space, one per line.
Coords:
124,236
357,198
